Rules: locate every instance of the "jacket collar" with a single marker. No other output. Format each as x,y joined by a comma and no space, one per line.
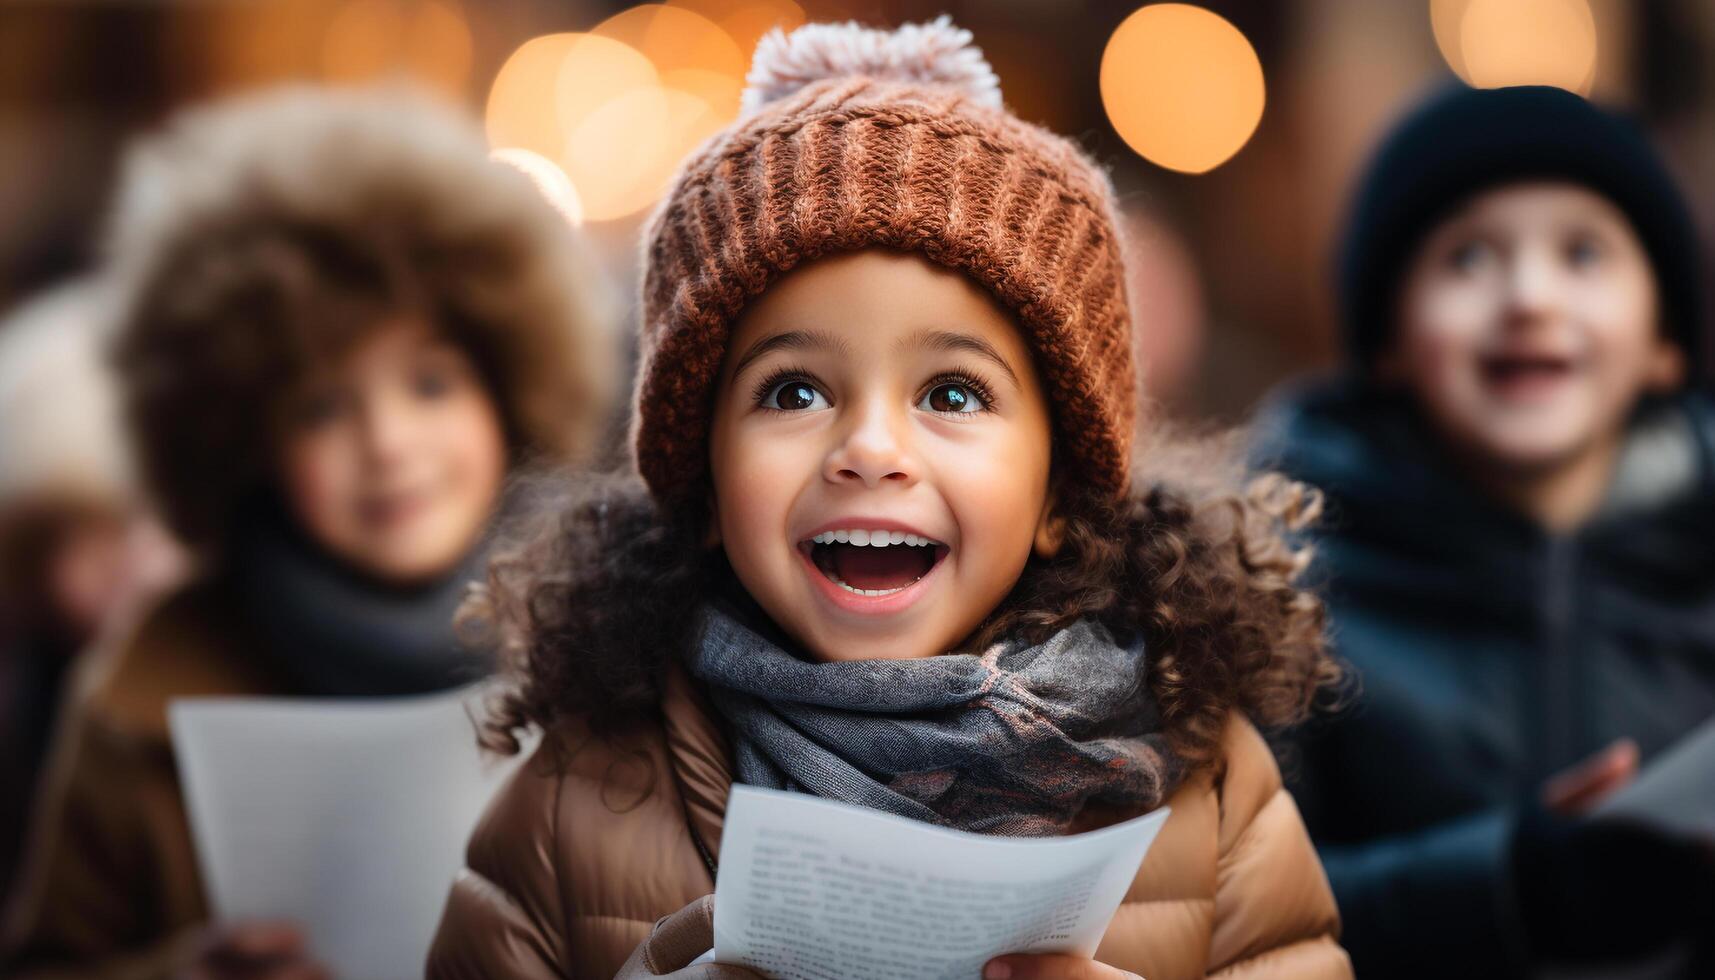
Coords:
700,755
1389,479
190,645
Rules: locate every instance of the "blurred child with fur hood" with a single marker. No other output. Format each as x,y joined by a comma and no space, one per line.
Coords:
341,328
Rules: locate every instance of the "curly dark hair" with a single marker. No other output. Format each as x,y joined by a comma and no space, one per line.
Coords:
258,238
597,596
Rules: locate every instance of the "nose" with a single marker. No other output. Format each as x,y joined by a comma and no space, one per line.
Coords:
388,430
1533,285
872,449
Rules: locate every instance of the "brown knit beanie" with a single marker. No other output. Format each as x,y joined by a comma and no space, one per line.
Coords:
858,138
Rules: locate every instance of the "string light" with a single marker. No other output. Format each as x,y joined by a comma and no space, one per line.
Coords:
1182,86
690,52
1491,43
616,110
746,21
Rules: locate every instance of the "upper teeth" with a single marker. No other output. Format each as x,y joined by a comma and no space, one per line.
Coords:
873,539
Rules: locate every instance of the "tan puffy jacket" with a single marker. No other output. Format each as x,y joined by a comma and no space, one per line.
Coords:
577,858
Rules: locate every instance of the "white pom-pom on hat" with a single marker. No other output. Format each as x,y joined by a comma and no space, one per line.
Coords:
936,53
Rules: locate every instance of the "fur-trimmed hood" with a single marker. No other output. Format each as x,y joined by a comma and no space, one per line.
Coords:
240,226
59,426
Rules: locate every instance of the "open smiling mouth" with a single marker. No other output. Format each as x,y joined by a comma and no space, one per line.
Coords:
1523,370
873,563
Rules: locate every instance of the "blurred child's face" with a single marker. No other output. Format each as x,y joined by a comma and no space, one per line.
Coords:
1528,326
103,564
876,397
85,572
75,559
393,457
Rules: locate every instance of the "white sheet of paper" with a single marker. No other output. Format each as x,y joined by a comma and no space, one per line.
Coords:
811,889
1676,791
348,816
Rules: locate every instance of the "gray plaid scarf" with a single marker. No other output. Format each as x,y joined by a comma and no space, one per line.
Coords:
1016,741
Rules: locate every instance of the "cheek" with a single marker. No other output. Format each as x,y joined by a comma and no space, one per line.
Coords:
756,480
1621,322
1441,334
473,443
319,474
996,485
1446,323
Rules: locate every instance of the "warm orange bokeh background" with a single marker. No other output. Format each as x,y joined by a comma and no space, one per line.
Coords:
1233,129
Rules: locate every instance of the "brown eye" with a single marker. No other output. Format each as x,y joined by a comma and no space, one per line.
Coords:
952,399
795,396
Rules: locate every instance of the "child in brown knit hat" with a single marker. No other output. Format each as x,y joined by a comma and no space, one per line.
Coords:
884,546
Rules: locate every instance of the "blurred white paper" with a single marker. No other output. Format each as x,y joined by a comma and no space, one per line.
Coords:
810,888
348,816
1676,791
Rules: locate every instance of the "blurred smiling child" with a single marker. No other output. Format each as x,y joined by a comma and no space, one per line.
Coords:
1520,548
886,548
343,326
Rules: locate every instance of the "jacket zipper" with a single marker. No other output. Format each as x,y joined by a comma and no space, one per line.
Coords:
1559,741
697,839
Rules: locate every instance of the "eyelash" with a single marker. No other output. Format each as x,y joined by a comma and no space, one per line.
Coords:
779,376
977,386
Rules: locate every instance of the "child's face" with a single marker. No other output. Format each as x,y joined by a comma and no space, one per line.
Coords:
393,457
877,392
103,563
1528,326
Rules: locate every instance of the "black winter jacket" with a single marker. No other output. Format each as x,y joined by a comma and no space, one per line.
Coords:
1491,654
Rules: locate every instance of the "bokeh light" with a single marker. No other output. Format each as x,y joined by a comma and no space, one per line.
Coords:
1182,86
690,52
1446,18
674,38
522,110
617,109
546,91
426,40
624,154
592,72
1492,43
746,21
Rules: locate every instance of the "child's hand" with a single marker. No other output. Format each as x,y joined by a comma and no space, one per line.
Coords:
675,942
1051,966
1574,791
254,951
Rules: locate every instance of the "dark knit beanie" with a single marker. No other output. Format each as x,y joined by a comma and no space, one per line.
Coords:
1463,141
857,139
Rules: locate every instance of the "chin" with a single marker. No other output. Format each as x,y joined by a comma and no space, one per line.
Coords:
1534,451
851,655
411,568
829,647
